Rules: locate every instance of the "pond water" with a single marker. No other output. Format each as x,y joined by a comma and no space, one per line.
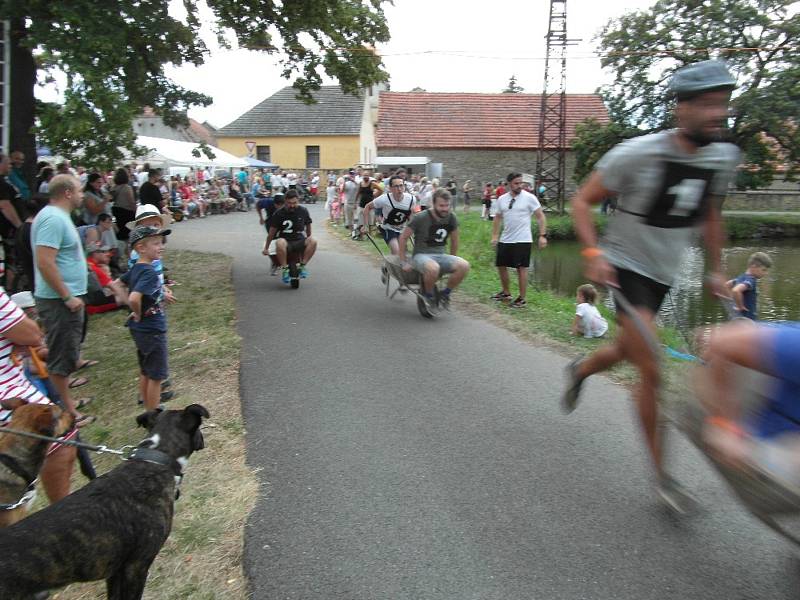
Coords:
559,268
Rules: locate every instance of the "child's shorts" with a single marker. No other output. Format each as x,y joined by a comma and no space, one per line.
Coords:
151,350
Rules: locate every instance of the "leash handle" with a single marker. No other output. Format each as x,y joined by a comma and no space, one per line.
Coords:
41,369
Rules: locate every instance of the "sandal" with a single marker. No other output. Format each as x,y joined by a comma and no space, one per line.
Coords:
86,364
84,420
76,382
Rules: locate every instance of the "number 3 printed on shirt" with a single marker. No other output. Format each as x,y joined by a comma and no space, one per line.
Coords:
440,236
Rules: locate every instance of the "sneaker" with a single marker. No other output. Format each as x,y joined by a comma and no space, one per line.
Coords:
432,304
444,300
273,270
165,396
285,276
674,495
501,297
518,303
569,401
303,273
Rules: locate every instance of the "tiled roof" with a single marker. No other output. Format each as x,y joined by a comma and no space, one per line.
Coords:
441,120
335,113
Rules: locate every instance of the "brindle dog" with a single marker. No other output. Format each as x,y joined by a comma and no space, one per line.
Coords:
21,458
113,527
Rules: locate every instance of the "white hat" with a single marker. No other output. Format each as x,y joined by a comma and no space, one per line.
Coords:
23,299
145,211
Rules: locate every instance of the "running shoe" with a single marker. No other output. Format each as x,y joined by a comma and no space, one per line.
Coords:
674,495
285,275
432,304
273,270
519,303
569,401
501,297
303,273
444,300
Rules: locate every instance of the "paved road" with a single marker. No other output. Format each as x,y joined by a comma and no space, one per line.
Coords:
403,458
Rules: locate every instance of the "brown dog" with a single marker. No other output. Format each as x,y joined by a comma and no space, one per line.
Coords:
21,458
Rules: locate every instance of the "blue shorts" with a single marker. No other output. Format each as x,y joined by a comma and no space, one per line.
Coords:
389,235
151,350
781,348
447,262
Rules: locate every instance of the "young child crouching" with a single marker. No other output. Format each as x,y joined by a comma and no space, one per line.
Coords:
148,322
744,288
588,320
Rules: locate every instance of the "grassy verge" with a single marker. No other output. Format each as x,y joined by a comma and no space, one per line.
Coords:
202,557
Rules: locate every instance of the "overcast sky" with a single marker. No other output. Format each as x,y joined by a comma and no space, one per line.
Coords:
438,45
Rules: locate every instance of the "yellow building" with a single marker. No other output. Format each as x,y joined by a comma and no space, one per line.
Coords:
334,134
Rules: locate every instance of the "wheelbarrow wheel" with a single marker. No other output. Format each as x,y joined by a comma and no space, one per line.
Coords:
422,306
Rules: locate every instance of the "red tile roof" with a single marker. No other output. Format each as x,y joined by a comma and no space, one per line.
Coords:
442,120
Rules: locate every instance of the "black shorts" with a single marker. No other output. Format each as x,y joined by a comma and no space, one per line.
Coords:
641,291
514,255
389,234
296,246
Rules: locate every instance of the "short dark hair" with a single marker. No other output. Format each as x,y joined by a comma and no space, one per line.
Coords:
393,177
121,177
512,176
291,194
103,217
443,194
153,173
90,180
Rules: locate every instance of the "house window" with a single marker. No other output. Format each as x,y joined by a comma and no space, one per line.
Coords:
312,157
262,153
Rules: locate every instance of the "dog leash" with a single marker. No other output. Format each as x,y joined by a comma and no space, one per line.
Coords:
124,451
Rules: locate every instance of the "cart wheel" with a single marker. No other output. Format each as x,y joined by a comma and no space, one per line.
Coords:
294,273
423,308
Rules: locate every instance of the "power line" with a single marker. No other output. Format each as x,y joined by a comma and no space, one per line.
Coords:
592,56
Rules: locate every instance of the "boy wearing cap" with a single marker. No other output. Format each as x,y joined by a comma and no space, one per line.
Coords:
147,321
668,186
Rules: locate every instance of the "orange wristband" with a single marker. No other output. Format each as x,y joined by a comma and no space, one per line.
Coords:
725,424
591,252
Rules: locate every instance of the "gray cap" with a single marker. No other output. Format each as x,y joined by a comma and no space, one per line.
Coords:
140,233
699,78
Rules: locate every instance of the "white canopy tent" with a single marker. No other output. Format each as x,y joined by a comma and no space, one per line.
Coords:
172,153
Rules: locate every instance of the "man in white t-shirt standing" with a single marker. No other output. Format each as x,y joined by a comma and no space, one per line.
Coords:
514,211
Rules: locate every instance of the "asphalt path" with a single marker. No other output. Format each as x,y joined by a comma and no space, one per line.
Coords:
406,458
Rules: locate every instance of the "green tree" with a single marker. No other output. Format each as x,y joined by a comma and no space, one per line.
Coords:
758,40
513,87
114,54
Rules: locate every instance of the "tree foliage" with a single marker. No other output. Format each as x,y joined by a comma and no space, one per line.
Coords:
759,41
114,55
513,87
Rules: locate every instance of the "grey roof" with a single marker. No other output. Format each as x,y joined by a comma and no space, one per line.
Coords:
335,113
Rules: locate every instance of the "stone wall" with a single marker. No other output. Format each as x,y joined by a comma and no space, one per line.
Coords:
763,200
481,166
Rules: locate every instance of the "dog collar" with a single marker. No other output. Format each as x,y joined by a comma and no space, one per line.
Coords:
156,457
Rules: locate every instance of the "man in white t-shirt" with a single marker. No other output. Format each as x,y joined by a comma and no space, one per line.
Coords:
396,206
513,211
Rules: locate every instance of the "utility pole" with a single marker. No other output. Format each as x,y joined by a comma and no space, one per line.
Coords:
552,152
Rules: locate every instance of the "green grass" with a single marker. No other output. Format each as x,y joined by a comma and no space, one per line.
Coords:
202,557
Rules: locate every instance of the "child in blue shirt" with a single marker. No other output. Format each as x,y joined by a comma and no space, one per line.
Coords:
744,288
148,322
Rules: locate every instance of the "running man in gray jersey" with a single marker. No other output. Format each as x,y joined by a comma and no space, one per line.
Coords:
669,185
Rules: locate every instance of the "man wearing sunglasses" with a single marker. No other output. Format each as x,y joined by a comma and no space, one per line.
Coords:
514,211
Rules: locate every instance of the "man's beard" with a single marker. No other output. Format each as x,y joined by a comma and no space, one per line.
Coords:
438,214
700,138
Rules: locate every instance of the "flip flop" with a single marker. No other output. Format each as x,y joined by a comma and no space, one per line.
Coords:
77,382
86,364
85,420
82,402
